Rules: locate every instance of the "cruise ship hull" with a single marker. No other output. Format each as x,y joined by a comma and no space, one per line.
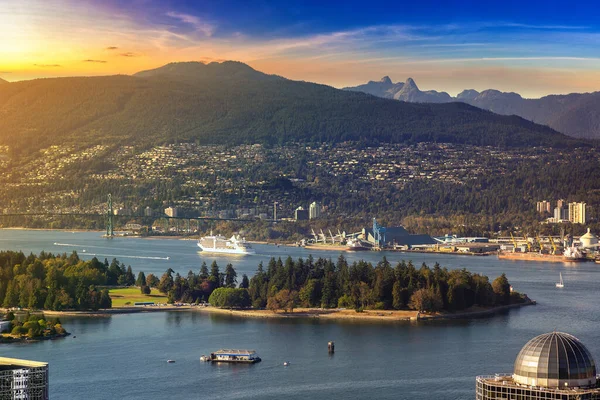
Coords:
226,251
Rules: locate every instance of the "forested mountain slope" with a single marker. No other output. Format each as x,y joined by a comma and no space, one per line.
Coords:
576,114
234,104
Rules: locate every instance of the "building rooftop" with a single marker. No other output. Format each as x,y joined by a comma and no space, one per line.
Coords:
234,351
15,363
555,360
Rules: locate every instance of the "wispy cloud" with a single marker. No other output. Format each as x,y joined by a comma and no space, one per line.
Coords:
197,24
111,48
128,54
47,65
95,61
545,27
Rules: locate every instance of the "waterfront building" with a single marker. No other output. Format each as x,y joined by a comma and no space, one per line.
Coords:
23,379
588,240
395,236
577,213
543,207
314,211
300,214
551,366
171,212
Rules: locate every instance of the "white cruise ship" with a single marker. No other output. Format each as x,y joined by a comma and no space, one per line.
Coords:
220,244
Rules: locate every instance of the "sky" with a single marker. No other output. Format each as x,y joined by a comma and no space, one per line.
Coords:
534,48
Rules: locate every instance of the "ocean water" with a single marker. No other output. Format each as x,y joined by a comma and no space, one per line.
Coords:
124,356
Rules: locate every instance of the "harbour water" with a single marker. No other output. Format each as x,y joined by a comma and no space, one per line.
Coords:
124,356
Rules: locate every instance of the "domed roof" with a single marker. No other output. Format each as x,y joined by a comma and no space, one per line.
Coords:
589,235
555,359
588,239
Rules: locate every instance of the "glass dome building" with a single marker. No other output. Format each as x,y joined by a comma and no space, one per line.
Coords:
554,365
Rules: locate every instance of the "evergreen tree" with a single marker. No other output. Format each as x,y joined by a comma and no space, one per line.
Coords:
397,298
245,282
501,289
203,271
141,279
215,275
12,295
166,282
105,300
129,277
230,276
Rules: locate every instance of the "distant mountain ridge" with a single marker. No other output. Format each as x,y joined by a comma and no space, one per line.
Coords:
407,91
231,103
197,72
576,115
2,81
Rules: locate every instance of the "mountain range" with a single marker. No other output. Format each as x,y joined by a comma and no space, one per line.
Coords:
231,103
404,91
576,115
2,81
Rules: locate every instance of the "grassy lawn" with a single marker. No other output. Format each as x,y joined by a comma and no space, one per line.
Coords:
120,297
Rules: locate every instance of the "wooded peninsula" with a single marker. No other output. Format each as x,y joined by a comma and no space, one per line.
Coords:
65,282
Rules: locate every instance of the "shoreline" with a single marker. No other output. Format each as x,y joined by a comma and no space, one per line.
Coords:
302,313
24,339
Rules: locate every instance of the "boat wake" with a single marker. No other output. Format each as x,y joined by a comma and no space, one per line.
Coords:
123,256
108,255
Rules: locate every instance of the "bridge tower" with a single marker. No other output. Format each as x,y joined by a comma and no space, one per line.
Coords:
109,219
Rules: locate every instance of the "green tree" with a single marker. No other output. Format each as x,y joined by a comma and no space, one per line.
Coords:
346,302
245,282
204,272
230,276
129,277
229,298
166,282
105,300
12,295
501,289
141,279
310,294
215,275
397,296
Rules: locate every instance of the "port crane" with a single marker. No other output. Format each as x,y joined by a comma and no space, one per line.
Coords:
514,241
539,241
527,243
553,245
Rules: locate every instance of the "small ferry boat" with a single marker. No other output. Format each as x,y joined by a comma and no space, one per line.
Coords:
233,356
170,361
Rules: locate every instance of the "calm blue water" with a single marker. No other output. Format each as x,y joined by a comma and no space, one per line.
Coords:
124,356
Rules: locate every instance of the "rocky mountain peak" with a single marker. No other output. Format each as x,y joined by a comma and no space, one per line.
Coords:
410,84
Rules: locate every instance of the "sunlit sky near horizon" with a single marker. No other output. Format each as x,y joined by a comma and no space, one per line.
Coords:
531,47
